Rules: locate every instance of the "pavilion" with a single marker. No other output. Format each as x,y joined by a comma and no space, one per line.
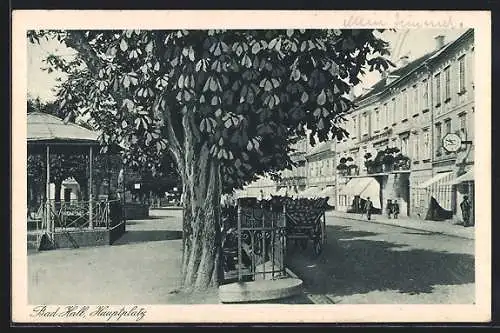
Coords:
46,135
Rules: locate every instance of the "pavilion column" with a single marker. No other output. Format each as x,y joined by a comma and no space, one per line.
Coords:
48,223
91,224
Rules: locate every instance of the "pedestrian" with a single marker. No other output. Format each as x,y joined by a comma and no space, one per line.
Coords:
368,208
466,207
389,208
395,209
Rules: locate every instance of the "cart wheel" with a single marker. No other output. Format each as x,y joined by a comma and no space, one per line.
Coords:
320,240
317,247
303,244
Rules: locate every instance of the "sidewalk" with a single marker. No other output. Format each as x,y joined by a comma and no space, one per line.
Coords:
142,267
442,227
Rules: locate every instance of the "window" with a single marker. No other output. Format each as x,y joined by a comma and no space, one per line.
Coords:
437,79
416,148
438,137
364,125
377,120
461,75
393,111
384,118
415,99
425,95
447,126
343,200
447,84
426,145
354,127
463,126
405,104
404,146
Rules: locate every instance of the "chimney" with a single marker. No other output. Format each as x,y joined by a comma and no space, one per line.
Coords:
391,78
352,95
439,41
403,61
366,90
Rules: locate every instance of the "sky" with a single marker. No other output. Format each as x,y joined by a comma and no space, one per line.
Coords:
415,44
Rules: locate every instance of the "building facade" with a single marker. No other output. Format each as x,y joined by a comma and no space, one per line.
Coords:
397,129
453,112
394,150
321,175
294,180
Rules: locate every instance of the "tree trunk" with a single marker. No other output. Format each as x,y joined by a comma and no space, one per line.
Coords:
201,220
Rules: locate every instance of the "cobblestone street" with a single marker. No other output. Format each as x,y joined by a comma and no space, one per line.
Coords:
366,262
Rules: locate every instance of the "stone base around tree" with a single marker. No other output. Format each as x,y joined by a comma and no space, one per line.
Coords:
260,290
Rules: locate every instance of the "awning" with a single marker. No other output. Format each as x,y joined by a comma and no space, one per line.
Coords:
329,192
281,192
261,191
466,177
442,178
311,192
366,187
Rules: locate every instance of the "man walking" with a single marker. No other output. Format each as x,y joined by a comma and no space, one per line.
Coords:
466,207
395,209
389,208
368,208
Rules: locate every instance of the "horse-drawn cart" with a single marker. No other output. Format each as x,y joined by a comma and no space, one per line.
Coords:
306,221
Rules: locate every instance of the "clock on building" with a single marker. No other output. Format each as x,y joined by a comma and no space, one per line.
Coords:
452,142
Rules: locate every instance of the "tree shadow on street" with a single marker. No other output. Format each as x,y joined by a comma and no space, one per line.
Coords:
349,265
148,219
138,236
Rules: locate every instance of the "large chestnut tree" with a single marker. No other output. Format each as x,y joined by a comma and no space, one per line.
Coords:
225,105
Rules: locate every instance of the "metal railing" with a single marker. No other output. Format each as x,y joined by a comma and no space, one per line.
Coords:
261,243
74,214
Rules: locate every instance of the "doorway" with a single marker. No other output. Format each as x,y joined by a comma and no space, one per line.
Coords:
67,195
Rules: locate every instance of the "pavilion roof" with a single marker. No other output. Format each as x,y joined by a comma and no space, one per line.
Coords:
44,128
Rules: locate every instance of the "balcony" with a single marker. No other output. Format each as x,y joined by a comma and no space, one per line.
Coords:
388,160
344,169
386,133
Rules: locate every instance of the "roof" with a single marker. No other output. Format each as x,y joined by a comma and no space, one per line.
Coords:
400,72
46,128
410,67
323,146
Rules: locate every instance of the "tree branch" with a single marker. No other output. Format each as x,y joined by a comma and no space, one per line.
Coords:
77,41
165,117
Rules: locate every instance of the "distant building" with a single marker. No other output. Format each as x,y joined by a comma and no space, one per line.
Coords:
294,181
262,188
321,171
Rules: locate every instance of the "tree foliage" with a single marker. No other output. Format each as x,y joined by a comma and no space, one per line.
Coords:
245,94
